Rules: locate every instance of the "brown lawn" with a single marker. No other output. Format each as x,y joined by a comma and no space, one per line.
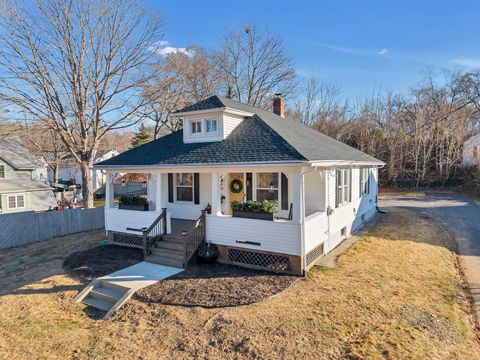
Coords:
396,294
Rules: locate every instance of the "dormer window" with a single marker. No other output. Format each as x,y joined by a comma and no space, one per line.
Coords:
196,127
211,125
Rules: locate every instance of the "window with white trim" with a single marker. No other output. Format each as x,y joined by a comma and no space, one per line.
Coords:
196,127
16,201
211,125
343,195
2,171
184,182
364,183
268,185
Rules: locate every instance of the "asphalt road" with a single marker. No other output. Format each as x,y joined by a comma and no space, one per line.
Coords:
461,216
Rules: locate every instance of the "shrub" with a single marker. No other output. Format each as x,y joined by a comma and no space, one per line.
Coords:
256,206
133,200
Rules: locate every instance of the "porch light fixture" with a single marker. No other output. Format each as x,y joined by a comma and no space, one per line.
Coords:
270,189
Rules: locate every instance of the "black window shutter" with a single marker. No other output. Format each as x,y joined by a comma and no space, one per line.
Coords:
284,192
196,188
337,184
249,186
170,188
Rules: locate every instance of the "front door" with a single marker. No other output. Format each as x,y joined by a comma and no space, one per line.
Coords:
236,188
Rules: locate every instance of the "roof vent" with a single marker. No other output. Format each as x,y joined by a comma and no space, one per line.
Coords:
279,105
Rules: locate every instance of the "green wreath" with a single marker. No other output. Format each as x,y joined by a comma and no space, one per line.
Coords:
236,186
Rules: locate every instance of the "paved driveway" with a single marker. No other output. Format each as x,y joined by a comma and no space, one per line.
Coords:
461,216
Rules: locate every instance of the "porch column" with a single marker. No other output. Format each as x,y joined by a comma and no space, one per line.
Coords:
109,190
158,192
216,208
298,196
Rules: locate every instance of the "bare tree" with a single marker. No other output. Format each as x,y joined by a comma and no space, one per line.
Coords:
77,66
182,78
254,66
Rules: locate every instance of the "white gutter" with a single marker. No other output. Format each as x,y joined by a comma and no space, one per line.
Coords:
337,163
202,165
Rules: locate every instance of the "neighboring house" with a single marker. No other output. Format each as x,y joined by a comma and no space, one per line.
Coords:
471,151
69,170
232,151
23,178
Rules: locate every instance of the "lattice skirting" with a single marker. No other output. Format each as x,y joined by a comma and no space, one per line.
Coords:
314,254
124,239
258,259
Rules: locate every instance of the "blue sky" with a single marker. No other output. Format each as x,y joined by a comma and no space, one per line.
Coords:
360,46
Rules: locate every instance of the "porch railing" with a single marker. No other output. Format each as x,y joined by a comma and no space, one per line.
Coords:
153,233
195,237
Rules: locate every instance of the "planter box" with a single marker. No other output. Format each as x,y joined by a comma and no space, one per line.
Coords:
143,207
253,215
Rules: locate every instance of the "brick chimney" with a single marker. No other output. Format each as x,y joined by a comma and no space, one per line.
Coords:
279,105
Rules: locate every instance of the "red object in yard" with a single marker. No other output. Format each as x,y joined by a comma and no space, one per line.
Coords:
208,209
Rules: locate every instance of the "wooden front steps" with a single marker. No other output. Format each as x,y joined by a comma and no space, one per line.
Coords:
169,251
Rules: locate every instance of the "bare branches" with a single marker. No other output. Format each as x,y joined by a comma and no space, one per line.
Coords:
77,67
254,66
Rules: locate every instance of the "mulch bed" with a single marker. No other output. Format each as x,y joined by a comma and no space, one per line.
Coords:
216,285
100,261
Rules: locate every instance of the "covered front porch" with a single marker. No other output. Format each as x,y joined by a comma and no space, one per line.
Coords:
185,192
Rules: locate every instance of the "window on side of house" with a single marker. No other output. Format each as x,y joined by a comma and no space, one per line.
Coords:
16,201
196,126
2,171
343,194
211,125
364,181
267,186
184,183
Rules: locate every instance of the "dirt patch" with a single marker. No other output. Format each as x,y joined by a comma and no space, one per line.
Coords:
100,261
216,285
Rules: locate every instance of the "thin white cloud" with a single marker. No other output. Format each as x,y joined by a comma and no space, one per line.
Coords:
164,49
349,50
467,62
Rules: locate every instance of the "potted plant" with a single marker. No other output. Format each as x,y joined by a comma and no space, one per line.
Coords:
207,252
133,202
261,210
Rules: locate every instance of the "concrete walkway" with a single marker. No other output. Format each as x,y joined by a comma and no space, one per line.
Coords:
110,292
140,275
461,216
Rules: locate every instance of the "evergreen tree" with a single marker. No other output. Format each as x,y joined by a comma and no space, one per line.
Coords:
142,136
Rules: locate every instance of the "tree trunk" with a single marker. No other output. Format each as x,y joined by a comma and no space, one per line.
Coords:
87,185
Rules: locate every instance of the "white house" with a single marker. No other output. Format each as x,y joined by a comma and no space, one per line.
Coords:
69,170
471,151
230,151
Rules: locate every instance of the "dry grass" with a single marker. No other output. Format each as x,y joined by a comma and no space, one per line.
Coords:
396,294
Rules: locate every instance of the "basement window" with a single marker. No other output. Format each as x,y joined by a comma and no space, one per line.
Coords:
343,233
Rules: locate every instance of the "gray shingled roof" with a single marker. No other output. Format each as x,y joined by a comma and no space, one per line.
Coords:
264,137
14,152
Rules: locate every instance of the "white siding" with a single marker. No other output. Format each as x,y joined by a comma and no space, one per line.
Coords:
314,192
188,137
315,233
189,211
350,214
230,122
120,220
276,236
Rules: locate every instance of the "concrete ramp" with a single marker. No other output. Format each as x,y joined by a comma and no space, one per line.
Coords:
110,292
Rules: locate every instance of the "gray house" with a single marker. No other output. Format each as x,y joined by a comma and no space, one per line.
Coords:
23,179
